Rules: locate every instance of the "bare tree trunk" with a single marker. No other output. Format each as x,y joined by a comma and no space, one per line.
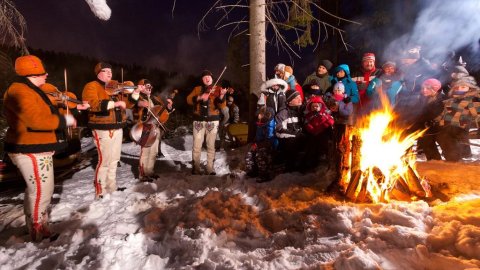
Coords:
257,59
257,45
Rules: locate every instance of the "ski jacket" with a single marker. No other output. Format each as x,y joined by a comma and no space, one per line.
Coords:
350,86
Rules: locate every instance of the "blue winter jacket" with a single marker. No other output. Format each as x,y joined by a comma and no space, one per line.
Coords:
266,132
350,86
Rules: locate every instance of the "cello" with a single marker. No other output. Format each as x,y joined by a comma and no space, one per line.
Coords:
145,132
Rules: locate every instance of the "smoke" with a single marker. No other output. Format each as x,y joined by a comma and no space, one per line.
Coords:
442,27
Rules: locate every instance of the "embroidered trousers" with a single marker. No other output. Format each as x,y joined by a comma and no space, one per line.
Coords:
204,130
37,171
109,147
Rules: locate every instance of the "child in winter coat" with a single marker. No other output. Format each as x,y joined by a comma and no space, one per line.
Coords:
431,107
342,74
318,128
461,113
258,161
273,95
288,129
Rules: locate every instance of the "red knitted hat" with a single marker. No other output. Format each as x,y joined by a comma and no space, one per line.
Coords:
368,56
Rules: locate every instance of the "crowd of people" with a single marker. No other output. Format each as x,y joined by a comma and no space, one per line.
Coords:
297,126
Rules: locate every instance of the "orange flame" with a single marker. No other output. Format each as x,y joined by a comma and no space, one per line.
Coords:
385,155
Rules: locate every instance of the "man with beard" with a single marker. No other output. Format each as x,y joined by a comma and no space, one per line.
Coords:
362,78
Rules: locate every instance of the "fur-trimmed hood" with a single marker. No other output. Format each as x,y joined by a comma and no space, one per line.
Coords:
267,86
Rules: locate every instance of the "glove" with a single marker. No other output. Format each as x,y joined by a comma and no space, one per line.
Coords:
70,120
347,100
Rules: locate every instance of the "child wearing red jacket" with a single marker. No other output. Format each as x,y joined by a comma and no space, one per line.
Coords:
318,128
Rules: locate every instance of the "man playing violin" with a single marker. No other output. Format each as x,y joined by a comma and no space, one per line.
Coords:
33,135
163,107
107,118
208,101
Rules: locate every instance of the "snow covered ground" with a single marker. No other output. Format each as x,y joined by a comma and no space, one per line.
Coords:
229,221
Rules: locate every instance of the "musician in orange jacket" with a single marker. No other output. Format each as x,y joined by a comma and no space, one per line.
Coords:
208,101
33,135
107,119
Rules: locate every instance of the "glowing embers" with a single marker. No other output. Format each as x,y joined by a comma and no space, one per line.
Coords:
380,165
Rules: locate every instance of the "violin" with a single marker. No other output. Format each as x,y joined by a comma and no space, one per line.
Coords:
214,90
114,87
61,99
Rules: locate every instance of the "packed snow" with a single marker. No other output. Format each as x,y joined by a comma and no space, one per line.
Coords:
228,221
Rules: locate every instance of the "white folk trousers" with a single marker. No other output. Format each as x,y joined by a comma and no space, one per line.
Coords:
109,148
37,171
148,156
204,130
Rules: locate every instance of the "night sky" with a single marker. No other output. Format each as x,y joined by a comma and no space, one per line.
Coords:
145,33
138,32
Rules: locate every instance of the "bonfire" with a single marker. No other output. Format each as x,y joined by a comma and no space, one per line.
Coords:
379,163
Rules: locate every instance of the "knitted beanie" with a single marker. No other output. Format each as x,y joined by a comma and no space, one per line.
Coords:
100,66
206,73
29,65
389,64
466,81
433,84
326,63
291,94
368,56
459,72
339,86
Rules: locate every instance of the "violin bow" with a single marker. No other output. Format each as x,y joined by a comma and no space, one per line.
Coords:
69,130
218,79
156,119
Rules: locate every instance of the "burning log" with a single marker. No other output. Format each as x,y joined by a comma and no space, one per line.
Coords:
356,154
353,185
413,182
363,193
344,147
384,171
400,191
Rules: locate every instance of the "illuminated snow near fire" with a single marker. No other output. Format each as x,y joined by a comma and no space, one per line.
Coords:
229,221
